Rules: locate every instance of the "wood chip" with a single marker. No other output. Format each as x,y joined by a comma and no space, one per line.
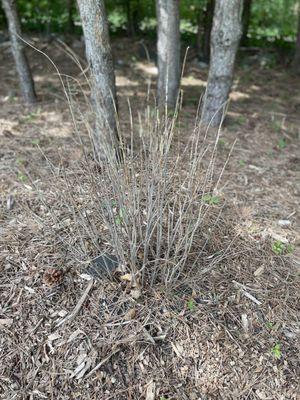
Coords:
6,322
150,394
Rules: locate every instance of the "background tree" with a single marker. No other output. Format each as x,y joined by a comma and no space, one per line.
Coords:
205,19
226,33
168,51
99,56
17,46
296,60
246,17
70,10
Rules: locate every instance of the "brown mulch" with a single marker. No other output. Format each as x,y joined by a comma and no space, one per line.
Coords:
230,334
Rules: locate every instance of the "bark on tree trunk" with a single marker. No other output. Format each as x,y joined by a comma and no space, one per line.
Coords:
99,56
296,60
168,52
226,33
246,20
14,27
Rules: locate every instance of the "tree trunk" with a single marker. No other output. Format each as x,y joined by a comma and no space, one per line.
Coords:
14,27
199,34
246,20
99,56
168,52
130,19
70,9
208,20
226,33
296,60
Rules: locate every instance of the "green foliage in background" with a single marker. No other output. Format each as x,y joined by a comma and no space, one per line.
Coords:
271,21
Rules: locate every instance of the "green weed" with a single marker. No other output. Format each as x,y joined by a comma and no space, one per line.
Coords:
241,119
281,144
191,304
22,177
211,200
269,325
280,248
35,142
19,161
276,351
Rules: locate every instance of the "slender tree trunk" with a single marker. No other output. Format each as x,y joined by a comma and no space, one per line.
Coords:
70,8
208,20
246,20
199,34
296,60
226,33
99,56
130,19
14,27
168,52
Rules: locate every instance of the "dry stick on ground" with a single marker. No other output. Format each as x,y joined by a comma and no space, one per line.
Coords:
80,303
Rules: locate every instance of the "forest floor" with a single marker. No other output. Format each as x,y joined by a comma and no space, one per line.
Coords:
244,346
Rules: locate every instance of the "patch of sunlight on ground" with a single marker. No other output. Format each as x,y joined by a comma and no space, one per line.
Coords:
192,81
148,68
123,81
6,124
239,95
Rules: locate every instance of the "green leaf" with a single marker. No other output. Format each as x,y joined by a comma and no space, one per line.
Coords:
276,351
278,247
210,199
35,141
21,177
191,304
282,143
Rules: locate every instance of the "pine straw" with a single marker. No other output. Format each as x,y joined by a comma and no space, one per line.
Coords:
204,338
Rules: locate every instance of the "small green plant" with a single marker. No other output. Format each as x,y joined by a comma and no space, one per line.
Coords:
35,141
30,117
280,248
22,177
211,200
163,398
281,144
242,119
120,217
290,248
221,142
276,351
276,126
269,325
242,163
191,304
19,161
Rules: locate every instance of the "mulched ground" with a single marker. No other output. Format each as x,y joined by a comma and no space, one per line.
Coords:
64,336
